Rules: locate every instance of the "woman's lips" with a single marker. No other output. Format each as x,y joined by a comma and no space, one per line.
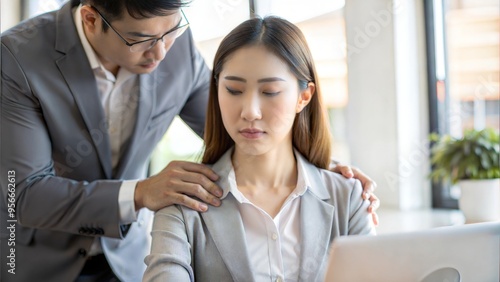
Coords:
252,133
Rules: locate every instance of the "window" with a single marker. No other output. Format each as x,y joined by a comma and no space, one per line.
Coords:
463,51
472,36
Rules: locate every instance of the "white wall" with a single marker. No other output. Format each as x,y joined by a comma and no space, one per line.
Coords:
10,13
387,111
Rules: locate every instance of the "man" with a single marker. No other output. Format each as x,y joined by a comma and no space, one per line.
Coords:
87,93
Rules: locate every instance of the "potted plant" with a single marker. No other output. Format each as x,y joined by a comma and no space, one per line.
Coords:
473,162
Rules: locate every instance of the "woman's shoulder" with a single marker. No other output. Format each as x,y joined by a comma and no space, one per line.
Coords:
177,210
323,181
337,184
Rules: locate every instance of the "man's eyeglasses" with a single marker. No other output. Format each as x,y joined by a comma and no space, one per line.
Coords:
147,44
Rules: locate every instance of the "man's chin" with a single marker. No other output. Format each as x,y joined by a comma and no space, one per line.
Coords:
140,69
147,68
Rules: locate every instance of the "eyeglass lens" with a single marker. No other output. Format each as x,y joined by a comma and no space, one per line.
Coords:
143,46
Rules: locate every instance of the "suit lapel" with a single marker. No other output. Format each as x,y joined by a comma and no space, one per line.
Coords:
77,76
316,219
226,226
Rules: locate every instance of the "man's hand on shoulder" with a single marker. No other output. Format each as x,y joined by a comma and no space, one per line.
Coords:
179,183
369,187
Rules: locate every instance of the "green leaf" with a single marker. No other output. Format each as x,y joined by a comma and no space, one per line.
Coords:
474,156
485,160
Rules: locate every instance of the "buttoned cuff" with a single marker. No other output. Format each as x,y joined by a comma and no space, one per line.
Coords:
126,202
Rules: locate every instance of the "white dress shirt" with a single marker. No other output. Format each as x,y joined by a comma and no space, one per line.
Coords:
273,242
119,97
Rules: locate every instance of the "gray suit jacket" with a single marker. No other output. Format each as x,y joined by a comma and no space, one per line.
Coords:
188,245
54,138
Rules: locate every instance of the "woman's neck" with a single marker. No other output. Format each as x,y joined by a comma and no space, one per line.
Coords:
266,180
273,170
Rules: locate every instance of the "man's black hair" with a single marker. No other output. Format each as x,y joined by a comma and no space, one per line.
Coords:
139,9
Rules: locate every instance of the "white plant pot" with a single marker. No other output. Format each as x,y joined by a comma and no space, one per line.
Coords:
480,200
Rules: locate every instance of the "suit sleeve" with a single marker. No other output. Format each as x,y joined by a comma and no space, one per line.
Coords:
170,257
42,199
360,221
194,111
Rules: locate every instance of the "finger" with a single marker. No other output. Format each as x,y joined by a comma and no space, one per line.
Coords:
374,203
200,179
368,184
189,202
345,170
199,192
368,188
375,219
214,189
200,168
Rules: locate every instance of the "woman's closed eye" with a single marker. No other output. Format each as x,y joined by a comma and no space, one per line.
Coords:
233,91
270,93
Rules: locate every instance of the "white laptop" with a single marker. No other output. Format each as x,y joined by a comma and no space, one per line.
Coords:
466,253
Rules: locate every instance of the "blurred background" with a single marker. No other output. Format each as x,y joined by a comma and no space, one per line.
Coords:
391,73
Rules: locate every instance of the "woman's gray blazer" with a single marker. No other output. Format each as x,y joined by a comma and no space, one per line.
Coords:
189,245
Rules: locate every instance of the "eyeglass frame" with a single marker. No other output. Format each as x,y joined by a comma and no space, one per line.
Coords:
154,40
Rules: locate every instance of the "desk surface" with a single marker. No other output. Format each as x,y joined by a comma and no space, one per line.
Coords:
392,220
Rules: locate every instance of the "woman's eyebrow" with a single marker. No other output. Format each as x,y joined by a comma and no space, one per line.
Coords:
270,79
262,80
236,78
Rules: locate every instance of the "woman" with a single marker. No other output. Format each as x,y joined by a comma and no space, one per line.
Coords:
267,138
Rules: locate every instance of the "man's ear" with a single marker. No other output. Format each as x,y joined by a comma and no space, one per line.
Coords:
305,96
89,18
